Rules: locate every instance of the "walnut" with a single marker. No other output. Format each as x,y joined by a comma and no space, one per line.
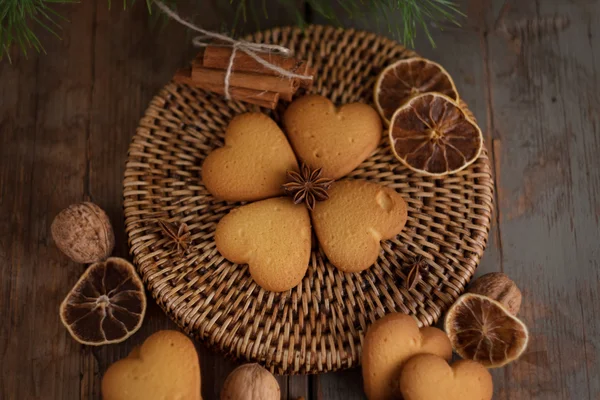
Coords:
83,232
499,287
250,382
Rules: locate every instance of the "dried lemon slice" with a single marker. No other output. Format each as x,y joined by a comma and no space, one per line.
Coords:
481,329
407,78
432,135
107,304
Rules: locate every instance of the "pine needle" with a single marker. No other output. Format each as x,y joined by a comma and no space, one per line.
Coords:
404,18
19,18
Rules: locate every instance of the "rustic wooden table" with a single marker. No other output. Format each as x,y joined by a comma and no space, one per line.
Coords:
529,71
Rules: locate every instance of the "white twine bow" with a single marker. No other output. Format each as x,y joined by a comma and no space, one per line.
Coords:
247,47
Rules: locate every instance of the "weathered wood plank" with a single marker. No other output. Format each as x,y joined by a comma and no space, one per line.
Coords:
66,120
338,385
44,112
298,387
544,85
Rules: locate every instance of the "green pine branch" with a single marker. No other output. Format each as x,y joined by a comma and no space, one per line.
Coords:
19,18
403,18
417,14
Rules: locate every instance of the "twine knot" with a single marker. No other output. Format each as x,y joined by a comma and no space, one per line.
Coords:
208,38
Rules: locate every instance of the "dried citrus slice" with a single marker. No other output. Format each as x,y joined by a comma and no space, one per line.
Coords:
106,305
407,78
431,134
481,329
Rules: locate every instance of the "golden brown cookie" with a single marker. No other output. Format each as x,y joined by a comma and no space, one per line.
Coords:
337,140
388,344
271,236
253,163
357,216
166,366
429,377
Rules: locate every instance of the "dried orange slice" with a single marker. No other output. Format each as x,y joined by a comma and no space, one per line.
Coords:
106,305
481,329
431,134
407,78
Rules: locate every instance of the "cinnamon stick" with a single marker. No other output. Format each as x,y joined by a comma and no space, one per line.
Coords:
262,98
307,71
218,57
284,86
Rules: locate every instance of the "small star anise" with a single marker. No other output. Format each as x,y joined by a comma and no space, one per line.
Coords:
418,270
307,186
181,237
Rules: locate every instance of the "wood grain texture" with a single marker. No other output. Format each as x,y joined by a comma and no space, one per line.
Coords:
544,91
43,118
528,70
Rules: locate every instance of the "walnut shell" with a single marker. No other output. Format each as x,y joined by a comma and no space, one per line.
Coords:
499,287
250,382
84,233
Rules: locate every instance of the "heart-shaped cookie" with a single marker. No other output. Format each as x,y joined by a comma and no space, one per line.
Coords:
429,377
271,236
253,163
357,216
389,343
165,367
335,140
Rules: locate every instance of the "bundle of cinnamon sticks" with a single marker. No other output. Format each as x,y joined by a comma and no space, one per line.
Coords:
249,81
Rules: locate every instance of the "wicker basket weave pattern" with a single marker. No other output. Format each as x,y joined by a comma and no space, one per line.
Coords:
319,325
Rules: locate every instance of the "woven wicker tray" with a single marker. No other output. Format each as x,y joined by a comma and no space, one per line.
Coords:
319,325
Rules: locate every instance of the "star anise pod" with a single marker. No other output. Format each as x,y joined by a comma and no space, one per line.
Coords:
180,236
307,186
418,270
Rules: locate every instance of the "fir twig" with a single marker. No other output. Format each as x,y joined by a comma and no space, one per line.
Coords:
18,18
403,17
